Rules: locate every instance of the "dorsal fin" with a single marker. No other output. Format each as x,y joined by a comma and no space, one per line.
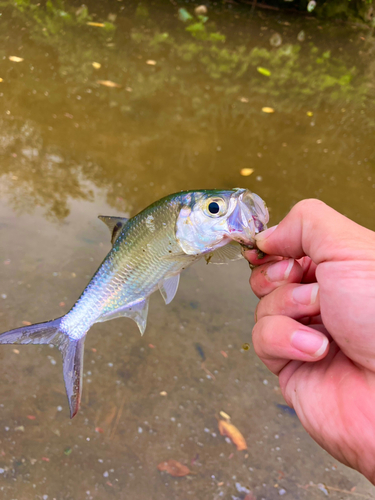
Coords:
114,224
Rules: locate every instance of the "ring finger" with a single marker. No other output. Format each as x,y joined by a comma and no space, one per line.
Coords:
279,339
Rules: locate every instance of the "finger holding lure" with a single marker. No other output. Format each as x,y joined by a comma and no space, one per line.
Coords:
149,252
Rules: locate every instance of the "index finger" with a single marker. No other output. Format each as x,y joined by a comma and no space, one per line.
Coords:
313,228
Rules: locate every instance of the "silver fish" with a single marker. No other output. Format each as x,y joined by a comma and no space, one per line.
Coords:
149,252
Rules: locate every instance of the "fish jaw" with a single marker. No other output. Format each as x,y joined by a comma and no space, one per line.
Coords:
248,217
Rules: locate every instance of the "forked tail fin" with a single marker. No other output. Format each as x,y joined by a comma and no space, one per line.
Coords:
71,350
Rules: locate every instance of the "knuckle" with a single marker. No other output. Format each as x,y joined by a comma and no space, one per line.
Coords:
262,309
256,338
259,334
309,205
257,282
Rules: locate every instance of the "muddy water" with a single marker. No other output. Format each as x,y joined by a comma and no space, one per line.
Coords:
180,108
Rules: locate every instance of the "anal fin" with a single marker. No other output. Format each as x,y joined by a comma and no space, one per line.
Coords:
137,312
168,288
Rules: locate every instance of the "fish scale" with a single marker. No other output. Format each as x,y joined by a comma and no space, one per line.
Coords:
129,272
149,251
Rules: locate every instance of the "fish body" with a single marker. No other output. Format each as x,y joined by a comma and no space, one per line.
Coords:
149,251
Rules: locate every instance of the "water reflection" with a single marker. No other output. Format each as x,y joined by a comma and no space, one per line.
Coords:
191,119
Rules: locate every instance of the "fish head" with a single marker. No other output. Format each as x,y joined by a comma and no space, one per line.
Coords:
210,219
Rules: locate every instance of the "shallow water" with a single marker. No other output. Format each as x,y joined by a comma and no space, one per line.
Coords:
186,113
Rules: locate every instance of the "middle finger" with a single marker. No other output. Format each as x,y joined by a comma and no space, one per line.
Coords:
294,300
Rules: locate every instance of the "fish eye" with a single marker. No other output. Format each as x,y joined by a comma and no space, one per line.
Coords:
213,207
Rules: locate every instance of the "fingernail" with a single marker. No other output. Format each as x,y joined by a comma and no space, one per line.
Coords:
306,294
280,271
310,343
263,235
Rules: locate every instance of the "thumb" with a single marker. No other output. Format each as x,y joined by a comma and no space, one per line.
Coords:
313,228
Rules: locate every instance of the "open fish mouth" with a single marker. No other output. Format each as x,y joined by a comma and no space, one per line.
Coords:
248,218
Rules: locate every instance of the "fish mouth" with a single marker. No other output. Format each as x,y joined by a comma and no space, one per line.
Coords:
249,217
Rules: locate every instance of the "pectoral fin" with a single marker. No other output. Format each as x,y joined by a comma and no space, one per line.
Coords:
168,288
227,253
114,224
137,312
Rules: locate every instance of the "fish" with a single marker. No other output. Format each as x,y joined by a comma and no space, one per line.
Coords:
149,252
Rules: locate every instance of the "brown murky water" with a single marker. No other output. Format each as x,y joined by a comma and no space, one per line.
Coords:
183,111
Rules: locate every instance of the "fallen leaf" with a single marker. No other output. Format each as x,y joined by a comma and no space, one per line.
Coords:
244,99
223,353
108,83
246,171
20,428
201,10
227,429
16,351
1,80
151,346
263,71
224,415
163,393
184,15
15,59
62,304
99,429
151,62
98,25
268,110
96,65
93,349
174,468
309,113
110,416
31,417
249,496
311,6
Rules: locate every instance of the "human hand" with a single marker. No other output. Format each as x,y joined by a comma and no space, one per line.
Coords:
315,326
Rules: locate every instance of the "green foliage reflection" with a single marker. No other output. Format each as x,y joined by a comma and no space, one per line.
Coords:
204,81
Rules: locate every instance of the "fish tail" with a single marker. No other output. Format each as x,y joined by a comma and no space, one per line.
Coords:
71,350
